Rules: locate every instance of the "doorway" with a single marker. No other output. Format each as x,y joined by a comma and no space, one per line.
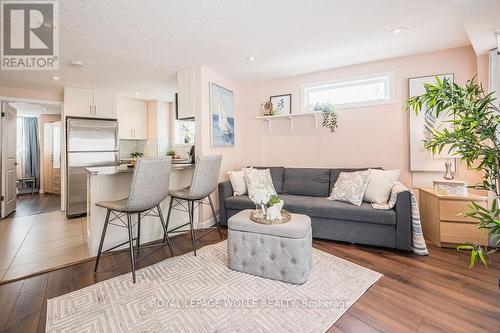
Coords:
37,136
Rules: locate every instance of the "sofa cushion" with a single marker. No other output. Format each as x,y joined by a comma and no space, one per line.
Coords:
239,202
307,181
324,208
277,174
335,173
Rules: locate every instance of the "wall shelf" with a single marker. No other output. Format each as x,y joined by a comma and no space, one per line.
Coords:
291,117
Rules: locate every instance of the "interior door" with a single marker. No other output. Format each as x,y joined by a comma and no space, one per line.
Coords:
56,157
48,156
9,133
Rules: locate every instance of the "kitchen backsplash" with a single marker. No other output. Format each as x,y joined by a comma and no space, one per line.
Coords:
148,147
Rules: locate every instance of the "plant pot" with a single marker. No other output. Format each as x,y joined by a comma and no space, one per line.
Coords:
274,212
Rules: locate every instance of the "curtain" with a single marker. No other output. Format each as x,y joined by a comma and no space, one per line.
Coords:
31,149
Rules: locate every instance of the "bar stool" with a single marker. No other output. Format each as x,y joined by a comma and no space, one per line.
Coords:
205,180
149,188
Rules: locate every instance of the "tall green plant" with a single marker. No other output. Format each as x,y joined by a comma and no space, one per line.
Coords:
474,139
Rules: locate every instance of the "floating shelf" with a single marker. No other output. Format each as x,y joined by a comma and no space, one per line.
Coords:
291,117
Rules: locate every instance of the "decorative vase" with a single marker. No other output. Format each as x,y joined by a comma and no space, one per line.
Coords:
274,212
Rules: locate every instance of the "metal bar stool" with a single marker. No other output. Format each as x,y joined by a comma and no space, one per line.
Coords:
205,180
149,188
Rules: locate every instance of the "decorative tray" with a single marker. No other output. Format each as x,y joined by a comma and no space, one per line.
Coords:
258,217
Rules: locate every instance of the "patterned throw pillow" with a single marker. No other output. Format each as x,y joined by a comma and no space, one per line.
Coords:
350,187
260,185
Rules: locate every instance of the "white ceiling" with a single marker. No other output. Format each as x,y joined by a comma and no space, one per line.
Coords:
137,46
480,22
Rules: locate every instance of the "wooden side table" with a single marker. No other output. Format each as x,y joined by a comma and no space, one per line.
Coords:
442,223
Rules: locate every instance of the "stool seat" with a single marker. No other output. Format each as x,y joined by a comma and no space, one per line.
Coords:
184,194
116,205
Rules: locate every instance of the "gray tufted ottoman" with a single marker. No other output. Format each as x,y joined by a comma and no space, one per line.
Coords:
280,251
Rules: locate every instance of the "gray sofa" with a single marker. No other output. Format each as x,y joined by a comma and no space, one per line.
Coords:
305,190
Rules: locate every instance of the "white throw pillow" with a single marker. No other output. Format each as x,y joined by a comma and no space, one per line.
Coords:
380,184
238,182
260,185
350,187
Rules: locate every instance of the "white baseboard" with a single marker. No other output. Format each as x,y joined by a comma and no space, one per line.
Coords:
206,224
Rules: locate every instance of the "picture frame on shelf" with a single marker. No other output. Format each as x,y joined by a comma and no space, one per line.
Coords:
221,116
282,104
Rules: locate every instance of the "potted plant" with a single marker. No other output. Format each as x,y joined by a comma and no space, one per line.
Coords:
475,139
171,153
135,156
274,206
330,116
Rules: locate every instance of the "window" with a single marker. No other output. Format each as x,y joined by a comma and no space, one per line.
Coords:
184,132
351,93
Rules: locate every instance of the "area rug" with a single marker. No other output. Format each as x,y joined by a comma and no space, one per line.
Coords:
201,294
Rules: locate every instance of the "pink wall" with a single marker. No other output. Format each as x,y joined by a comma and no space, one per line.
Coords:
368,136
231,155
30,94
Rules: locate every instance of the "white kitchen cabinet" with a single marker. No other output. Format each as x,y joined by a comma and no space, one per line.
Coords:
81,102
104,104
124,112
140,120
132,119
185,97
78,102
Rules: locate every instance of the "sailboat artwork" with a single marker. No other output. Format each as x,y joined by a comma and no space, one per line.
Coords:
222,115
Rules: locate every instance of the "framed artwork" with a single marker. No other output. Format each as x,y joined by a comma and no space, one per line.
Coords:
222,116
282,104
421,127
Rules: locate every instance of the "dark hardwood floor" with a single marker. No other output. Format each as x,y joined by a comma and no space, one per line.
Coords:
436,293
31,204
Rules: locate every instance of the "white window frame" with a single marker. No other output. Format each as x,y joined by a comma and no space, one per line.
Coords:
174,125
386,77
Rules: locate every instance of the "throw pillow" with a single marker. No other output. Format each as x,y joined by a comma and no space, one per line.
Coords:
350,187
380,184
260,185
238,182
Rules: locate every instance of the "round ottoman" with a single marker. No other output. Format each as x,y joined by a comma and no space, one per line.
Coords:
278,251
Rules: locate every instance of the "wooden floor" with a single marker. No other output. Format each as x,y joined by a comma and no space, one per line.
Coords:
437,293
31,204
34,243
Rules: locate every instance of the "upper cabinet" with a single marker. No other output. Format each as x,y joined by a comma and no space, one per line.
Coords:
185,97
132,119
88,103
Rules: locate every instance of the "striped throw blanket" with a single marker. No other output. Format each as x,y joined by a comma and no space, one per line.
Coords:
418,241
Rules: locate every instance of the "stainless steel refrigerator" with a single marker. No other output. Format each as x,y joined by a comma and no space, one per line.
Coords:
89,143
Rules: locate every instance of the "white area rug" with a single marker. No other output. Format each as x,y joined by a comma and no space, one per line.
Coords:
200,294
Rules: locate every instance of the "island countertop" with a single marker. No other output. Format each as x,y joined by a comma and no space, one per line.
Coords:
113,170
113,183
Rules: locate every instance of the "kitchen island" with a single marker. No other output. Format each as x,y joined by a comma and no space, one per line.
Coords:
113,183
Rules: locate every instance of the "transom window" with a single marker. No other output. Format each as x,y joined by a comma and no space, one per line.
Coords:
350,93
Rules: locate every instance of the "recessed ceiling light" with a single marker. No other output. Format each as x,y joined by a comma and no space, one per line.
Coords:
398,30
137,94
55,78
251,58
77,63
